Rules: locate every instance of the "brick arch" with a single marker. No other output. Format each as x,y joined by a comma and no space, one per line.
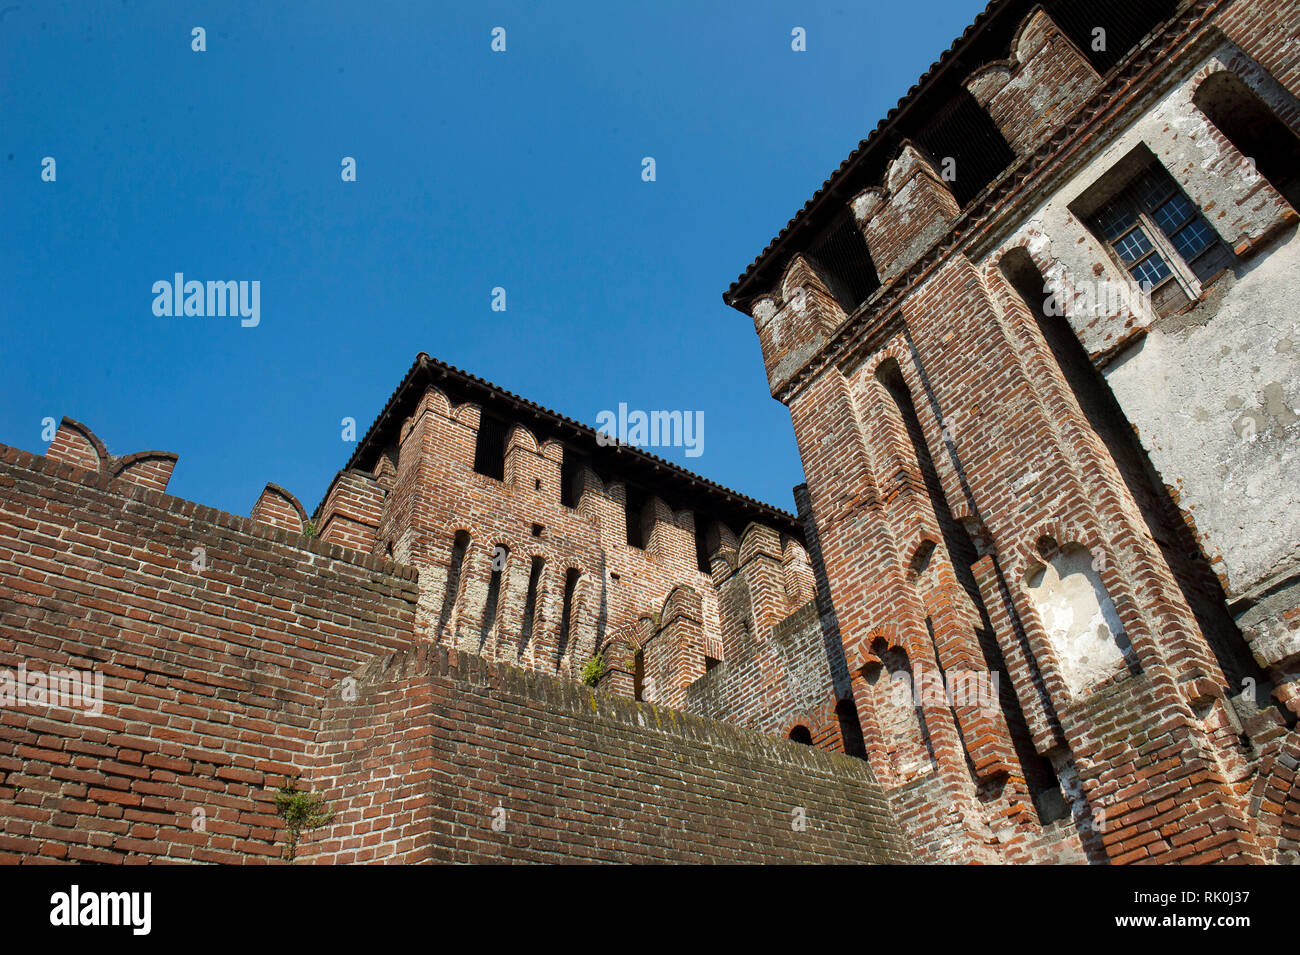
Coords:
76,444
673,600
468,414
922,546
751,542
522,436
799,274
1232,59
279,508
985,82
1024,556
149,469
434,399
822,723
862,654
895,348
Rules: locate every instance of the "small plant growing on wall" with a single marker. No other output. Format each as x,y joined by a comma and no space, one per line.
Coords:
593,669
302,812
309,529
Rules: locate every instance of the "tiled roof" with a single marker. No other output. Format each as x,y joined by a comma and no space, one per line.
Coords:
936,69
632,463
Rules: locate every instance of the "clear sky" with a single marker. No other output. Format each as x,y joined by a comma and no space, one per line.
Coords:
475,170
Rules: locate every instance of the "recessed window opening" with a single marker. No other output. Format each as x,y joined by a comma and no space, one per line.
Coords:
566,612
1160,237
490,448
530,604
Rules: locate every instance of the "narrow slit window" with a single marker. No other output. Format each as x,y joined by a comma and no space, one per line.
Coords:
500,554
566,613
636,501
530,604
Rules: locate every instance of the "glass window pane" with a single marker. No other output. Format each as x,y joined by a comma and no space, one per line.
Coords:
1153,187
1173,213
1133,246
1192,238
1151,269
1112,221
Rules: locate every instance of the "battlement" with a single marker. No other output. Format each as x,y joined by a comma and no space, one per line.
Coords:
1026,333
232,654
543,544
537,543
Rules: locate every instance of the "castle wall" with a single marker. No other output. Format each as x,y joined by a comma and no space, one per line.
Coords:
447,757
236,654
215,637
977,506
658,621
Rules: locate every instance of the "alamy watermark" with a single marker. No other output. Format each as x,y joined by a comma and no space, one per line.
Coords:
977,688
653,429
69,689
210,299
1097,299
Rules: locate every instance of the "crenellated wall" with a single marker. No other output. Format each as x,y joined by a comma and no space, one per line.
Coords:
232,655
521,570
1019,465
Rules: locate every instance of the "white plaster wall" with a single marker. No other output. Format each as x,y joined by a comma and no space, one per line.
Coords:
1216,408
1215,404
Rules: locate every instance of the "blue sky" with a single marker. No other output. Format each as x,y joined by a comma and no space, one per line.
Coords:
475,170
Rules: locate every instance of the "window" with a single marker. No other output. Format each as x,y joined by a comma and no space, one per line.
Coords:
490,448
636,501
566,612
702,545
460,544
960,129
1123,24
500,554
1254,129
1162,239
846,712
841,258
571,466
801,734
530,604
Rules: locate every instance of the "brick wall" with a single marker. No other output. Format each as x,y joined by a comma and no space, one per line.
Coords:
437,746
216,638
953,462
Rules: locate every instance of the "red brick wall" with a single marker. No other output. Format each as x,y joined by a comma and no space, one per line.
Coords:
212,677
1150,763
439,745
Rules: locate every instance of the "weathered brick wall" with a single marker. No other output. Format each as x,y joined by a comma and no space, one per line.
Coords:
214,662
648,606
777,682
939,527
438,745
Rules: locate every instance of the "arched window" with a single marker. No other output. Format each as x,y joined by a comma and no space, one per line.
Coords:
490,447
1254,129
459,547
571,578
530,603
801,734
500,554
